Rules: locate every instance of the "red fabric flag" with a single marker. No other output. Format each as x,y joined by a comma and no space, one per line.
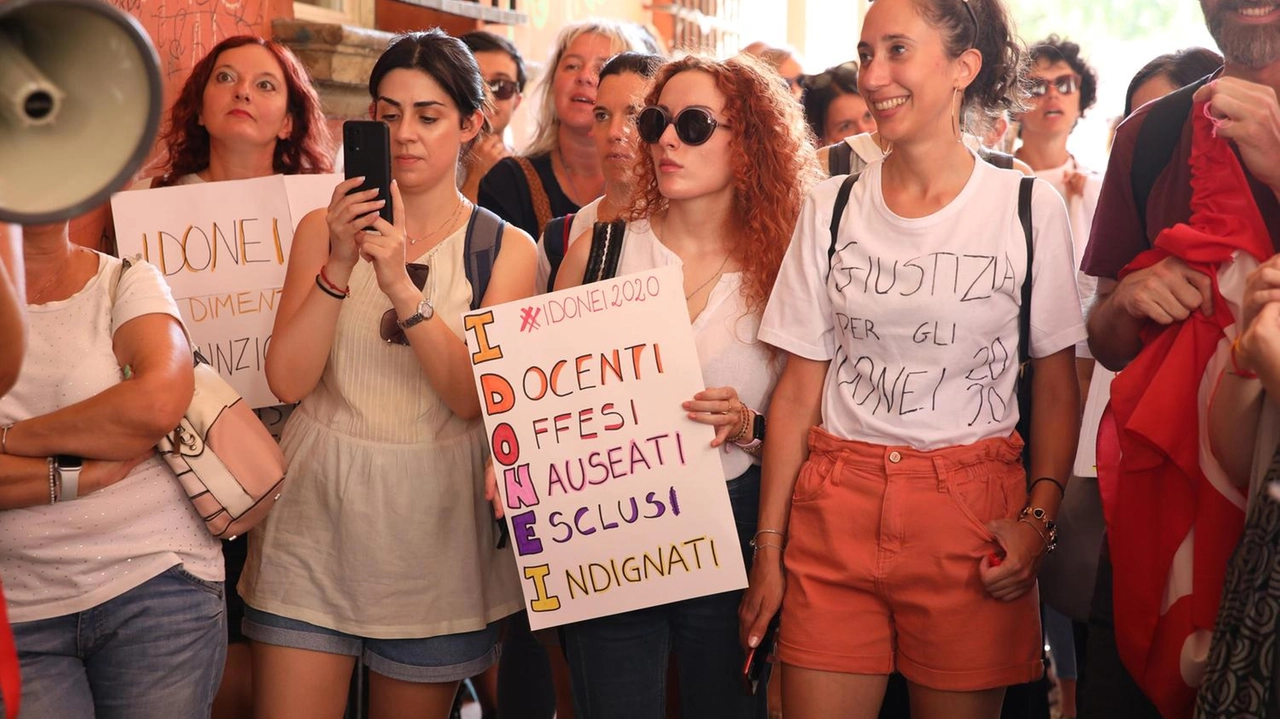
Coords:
1156,496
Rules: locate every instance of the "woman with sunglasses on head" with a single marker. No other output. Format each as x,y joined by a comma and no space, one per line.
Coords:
624,81
384,549
895,509
717,192
559,171
833,107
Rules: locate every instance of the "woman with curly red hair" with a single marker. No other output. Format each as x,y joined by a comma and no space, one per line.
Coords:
247,110
717,196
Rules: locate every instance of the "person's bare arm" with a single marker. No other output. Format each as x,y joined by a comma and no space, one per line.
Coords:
796,406
125,420
13,301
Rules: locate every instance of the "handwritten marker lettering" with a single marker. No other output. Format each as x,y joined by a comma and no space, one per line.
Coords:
529,319
603,476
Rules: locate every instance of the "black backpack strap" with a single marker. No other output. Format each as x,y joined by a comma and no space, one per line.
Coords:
839,159
837,213
555,240
1002,160
1024,314
1157,139
606,251
1023,383
483,242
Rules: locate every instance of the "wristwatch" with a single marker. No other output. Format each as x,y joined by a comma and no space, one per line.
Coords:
425,312
757,434
68,468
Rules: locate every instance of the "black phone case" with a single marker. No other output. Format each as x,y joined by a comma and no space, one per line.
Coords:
366,152
758,659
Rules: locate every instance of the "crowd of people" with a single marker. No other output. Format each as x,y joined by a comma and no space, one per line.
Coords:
912,213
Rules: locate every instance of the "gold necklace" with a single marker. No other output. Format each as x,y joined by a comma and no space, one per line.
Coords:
62,266
457,210
712,277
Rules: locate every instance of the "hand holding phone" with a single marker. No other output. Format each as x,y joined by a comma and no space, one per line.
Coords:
755,668
366,152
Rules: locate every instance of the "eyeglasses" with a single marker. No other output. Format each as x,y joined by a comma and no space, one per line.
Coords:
389,327
1064,84
694,125
503,89
846,74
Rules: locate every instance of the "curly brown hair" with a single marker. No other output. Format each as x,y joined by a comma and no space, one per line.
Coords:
773,160
307,150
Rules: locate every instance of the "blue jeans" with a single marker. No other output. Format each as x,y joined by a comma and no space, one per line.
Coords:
154,652
618,664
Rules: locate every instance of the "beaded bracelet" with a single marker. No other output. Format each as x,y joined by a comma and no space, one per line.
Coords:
53,482
744,423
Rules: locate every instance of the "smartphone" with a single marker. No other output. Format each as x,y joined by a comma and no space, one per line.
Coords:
755,668
366,152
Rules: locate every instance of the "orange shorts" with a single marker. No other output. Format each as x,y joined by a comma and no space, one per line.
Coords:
882,565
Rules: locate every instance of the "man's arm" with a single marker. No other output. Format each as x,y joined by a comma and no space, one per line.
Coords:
1166,292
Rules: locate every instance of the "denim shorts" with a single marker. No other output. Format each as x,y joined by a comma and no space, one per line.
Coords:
431,660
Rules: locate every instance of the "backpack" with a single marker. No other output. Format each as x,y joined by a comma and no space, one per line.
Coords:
1156,141
606,251
483,241
840,159
1023,386
555,240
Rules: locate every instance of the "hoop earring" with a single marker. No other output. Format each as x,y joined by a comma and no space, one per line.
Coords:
955,114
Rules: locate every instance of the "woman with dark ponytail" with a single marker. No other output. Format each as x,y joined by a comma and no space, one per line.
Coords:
893,472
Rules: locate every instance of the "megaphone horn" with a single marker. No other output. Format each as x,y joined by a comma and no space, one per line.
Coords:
80,104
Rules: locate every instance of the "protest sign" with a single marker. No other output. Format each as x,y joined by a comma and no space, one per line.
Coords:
223,248
614,498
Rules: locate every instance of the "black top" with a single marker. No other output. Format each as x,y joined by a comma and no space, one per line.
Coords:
505,191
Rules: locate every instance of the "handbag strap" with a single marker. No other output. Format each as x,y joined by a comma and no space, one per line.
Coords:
537,193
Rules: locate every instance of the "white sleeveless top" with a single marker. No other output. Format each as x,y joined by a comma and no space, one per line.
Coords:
384,531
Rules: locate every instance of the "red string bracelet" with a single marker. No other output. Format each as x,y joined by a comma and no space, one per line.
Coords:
344,291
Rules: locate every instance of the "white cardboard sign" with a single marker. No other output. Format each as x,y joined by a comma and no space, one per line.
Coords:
614,499
223,248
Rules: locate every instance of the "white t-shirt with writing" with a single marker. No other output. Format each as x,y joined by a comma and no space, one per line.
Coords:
919,316
68,557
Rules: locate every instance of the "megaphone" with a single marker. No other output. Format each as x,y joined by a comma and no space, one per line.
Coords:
80,103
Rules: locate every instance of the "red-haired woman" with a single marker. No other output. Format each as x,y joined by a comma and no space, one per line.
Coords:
247,110
717,196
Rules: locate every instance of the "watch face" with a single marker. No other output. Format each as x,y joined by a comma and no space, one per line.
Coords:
68,462
425,309
757,430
